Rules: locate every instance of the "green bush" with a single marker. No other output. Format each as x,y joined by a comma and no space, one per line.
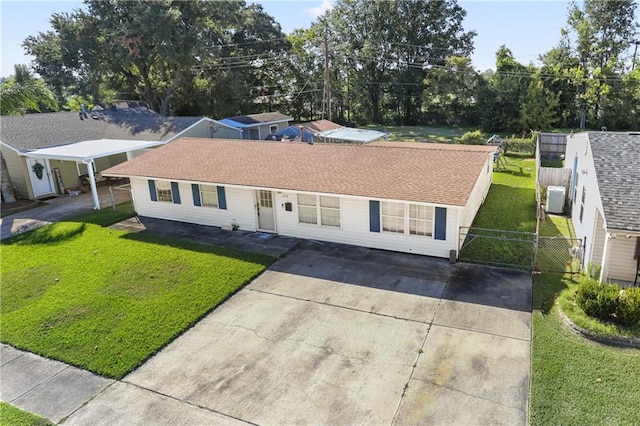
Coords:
609,302
524,146
472,138
628,311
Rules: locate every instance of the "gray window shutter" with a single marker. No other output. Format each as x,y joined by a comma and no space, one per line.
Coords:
152,190
222,198
195,189
176,192
441,224
374,216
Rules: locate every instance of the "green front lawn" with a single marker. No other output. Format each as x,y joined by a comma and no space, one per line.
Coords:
13,416
105,300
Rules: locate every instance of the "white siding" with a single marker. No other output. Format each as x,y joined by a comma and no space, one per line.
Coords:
597,243
240,207
622,265
479,193
18,172
586,178
354,228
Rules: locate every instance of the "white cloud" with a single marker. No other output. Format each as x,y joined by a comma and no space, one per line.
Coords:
318,11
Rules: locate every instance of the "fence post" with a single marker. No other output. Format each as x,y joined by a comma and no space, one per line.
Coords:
113,203
535,252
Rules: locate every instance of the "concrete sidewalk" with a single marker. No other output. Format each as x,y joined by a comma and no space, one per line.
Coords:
46,387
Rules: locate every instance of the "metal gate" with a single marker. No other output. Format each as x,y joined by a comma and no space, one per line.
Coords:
511,249
559,254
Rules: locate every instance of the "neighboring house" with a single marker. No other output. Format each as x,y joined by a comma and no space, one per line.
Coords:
258,126
326,131
605,199
36,170
409,197
309,130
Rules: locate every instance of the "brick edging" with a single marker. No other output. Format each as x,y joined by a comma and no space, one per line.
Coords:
629,342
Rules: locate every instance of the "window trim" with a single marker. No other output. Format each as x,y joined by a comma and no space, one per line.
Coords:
318,209
407,218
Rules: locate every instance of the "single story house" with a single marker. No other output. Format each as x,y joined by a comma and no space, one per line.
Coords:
309,130
409,197
325,131
258,126
38,170
605,200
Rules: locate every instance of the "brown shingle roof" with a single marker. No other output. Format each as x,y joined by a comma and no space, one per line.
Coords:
436,146
319,126
440,176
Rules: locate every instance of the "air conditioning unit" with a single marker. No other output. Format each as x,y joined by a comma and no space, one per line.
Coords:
555,199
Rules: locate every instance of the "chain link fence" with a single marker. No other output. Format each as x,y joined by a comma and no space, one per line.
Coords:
559,254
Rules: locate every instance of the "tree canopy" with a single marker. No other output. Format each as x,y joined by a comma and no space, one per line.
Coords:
363,62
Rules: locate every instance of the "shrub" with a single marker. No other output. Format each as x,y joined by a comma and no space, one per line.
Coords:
525,146
598,300
628,311
472,138
609,302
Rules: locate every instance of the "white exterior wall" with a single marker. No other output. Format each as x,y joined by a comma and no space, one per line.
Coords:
354,219
354,228
240,206
479,193
586,178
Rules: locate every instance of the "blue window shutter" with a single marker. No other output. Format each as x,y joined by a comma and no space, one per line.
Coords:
222,198
195,189
374,216
441,223
176,192
152,190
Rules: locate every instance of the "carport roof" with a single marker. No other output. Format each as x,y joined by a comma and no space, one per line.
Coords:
438,176
89,150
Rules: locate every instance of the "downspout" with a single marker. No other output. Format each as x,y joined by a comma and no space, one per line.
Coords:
606,254
92,182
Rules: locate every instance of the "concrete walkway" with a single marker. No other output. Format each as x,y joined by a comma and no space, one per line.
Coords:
56,209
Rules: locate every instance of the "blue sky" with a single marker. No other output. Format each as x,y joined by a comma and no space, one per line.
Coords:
528,28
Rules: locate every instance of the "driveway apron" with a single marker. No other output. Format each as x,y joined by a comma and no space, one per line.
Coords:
335,334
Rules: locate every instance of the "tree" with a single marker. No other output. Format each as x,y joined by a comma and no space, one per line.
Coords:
387,48
22,93
450,92
538,111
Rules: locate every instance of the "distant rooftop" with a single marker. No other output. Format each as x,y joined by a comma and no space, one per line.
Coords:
353,135
253,120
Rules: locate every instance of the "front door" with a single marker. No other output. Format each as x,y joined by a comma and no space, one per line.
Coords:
264,206
41,180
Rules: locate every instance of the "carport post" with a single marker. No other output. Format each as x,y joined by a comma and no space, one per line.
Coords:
92,182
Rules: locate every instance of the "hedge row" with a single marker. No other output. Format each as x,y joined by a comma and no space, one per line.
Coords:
609,302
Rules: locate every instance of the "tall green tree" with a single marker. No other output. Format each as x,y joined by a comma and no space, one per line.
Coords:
388,47
23,92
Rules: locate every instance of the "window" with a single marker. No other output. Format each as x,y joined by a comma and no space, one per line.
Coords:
209,195
420,220
330,211
164,191
310,207
584,194
273,128
393,217
307,211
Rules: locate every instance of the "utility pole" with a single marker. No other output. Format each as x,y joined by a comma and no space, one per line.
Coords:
327,79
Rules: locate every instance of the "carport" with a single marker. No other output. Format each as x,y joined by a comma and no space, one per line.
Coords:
86,152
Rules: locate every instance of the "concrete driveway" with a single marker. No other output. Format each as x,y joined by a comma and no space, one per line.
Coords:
335,334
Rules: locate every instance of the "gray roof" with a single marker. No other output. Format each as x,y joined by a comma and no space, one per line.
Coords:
617,162
58,128
257,119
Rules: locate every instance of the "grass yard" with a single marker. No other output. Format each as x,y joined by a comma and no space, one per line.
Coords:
13,416
422,133
574,380
105,300
510,205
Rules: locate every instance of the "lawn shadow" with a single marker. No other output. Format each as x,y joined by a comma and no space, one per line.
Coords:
54,233
148,238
